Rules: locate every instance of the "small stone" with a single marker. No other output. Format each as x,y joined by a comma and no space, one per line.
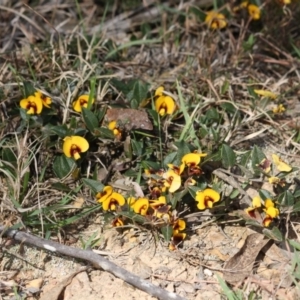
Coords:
208,272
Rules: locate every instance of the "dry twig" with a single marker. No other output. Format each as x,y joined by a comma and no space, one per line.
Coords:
96,260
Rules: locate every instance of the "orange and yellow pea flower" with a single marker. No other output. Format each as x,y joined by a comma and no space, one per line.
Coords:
160,208
113,126
172,181
192,159
140,206
176,169
277,181
271,212
215,20
81,101
117,222
45,99
113,201
254,11
74,145
207,198
177,238
270,209
179,225
106,192
32,104
164,104
280,164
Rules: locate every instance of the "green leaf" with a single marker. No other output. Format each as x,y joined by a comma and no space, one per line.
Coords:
8,155
103,132
264,194
60,130
150,165
213,115
137,147
154,115
273,234
89,119
61,187
63,166
134,217
256,158
95,185
229,107
286,199
92,92
245,158
170,158
294,244
296,207
28,89
228,156
183,149
167,232
100,114
138,93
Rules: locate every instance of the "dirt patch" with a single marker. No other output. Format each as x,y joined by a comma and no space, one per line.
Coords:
191,271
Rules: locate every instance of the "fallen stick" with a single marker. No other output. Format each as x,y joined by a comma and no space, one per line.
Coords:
97,261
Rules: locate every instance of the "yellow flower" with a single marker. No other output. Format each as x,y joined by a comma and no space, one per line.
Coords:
270,209
190,181
45,99
159,202
159,91
102,196
215,20
271,212
113,126
256,202
172,181
82,101
179,225
176,169
74,145
32,104
278,109
141,206
113,201
207,198
280,164
165,105
266,94
177,238
192,159
285,2
277,181
117,222
254,11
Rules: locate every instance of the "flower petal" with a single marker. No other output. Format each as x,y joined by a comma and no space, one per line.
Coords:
141,206
265,93
280,164
106,192
73,145
256,202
